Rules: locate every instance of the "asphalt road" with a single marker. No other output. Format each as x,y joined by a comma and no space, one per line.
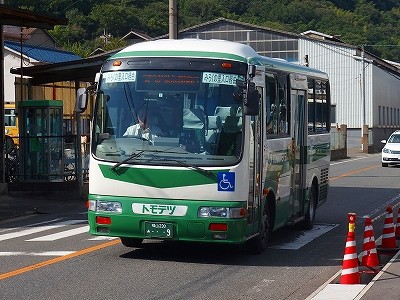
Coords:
50,256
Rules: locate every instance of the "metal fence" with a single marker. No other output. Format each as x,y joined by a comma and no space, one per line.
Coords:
47,158
338,140
341,138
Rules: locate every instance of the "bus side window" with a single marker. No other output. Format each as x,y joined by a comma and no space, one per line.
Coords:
311,106
272,108
283,128
322,108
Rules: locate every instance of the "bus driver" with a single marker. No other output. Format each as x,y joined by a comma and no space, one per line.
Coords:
145,128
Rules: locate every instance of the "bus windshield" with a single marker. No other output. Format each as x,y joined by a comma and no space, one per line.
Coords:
168,117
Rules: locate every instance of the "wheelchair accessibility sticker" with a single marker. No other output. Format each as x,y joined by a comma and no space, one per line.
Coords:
226,181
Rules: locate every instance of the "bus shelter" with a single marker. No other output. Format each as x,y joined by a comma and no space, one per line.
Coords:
41,141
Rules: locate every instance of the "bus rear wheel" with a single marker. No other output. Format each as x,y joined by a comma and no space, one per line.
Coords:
258,244
309,218
131,242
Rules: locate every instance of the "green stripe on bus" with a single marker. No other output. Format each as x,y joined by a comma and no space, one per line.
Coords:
159,178
178,53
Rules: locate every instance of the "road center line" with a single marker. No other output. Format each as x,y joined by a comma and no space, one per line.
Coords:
57,259
353,172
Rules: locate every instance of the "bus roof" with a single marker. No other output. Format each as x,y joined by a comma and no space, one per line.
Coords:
218,49
214,49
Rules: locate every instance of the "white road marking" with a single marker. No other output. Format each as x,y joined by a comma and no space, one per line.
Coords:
103,238
60,235
306,237
31,225
43,253
33,230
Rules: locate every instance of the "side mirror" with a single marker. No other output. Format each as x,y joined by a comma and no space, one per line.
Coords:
239,90
81,100
251,102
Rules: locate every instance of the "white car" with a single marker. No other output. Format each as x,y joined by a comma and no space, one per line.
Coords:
391,151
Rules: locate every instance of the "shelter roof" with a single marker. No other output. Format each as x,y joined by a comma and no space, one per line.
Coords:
75,70
26,18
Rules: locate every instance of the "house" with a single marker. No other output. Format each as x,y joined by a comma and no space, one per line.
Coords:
134,36
32,36
33,53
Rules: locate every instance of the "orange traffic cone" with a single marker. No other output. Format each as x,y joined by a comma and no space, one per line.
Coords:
350,273
388,237
369,256
398,225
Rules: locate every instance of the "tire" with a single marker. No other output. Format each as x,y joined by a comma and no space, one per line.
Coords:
259,244
132,242
384,165
308,222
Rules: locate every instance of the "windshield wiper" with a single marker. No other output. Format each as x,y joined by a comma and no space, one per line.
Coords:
179,162
186,165
134,155
138,154
201,170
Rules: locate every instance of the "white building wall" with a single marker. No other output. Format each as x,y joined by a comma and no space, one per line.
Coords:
12,60
386,95
345,74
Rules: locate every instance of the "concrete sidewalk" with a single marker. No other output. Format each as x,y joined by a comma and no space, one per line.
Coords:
21,203
384,284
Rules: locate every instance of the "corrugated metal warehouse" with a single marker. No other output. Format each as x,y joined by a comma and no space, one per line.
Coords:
374,101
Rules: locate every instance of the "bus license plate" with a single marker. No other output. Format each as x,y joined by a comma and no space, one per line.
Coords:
158,229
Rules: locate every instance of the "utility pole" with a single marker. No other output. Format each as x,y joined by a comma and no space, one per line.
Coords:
363,82
173,19
3,184
364,126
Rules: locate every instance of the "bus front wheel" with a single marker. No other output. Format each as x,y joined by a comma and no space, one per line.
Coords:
131,242
258,244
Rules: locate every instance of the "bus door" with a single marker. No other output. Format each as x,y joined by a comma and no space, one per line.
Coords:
299,144
255,161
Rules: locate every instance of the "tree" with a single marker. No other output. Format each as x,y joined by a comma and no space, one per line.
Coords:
117,20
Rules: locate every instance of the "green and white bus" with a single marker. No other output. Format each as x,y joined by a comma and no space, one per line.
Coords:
234,145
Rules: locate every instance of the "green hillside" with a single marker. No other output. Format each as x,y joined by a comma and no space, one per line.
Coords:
367,22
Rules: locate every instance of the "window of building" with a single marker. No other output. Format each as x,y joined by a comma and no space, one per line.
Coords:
333,113
383,116
387,116
379,115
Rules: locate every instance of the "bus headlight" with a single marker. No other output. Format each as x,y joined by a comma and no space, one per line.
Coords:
221,212
105,206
